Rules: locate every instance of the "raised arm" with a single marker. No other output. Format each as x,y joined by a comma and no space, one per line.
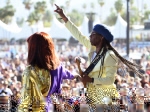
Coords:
73,29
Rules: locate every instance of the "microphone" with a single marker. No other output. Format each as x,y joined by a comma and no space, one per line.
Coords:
80,59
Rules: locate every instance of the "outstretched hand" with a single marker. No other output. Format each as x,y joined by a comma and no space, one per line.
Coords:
61,13
58,10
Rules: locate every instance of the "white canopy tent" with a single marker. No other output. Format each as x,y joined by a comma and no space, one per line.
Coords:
14,28
25,32
5,31
58,30
119,30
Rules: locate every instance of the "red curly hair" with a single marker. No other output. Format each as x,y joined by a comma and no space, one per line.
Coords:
41,51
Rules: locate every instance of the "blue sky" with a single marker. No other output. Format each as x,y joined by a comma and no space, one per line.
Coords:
75,4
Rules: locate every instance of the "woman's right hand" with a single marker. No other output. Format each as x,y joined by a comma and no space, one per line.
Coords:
78,61
61,13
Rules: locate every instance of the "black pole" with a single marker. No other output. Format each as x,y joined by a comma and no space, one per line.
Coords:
128,28
90,16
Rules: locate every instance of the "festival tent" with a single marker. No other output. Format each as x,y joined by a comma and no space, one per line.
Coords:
28,30
119,30
58,30
25,32
5,31
14,28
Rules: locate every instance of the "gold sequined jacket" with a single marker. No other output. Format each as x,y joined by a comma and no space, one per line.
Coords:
35,87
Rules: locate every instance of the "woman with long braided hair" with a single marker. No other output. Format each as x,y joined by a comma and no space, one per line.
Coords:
100,80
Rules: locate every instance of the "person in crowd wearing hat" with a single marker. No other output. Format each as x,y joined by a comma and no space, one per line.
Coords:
102,77
43,75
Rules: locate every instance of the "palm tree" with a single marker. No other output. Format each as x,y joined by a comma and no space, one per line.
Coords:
131,2
119,6
38,13
47,18
28,4
101,3
76,17
40,7
7,12
52,2
134,19
146,14
111,19
20,21
31,18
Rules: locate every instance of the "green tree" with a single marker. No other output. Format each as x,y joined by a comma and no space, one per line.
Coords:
52,2
20,21
134,15
40,8
111,19
7,12
28,4
146,14
119,6
131,2
47,18
76,17
31,18
38,13
101,3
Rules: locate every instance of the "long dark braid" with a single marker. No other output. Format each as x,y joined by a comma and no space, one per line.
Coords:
102,62
129,64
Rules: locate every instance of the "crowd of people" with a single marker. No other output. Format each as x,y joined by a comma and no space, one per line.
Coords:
127,82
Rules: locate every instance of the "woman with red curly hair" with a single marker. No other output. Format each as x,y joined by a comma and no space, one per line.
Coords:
43,76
